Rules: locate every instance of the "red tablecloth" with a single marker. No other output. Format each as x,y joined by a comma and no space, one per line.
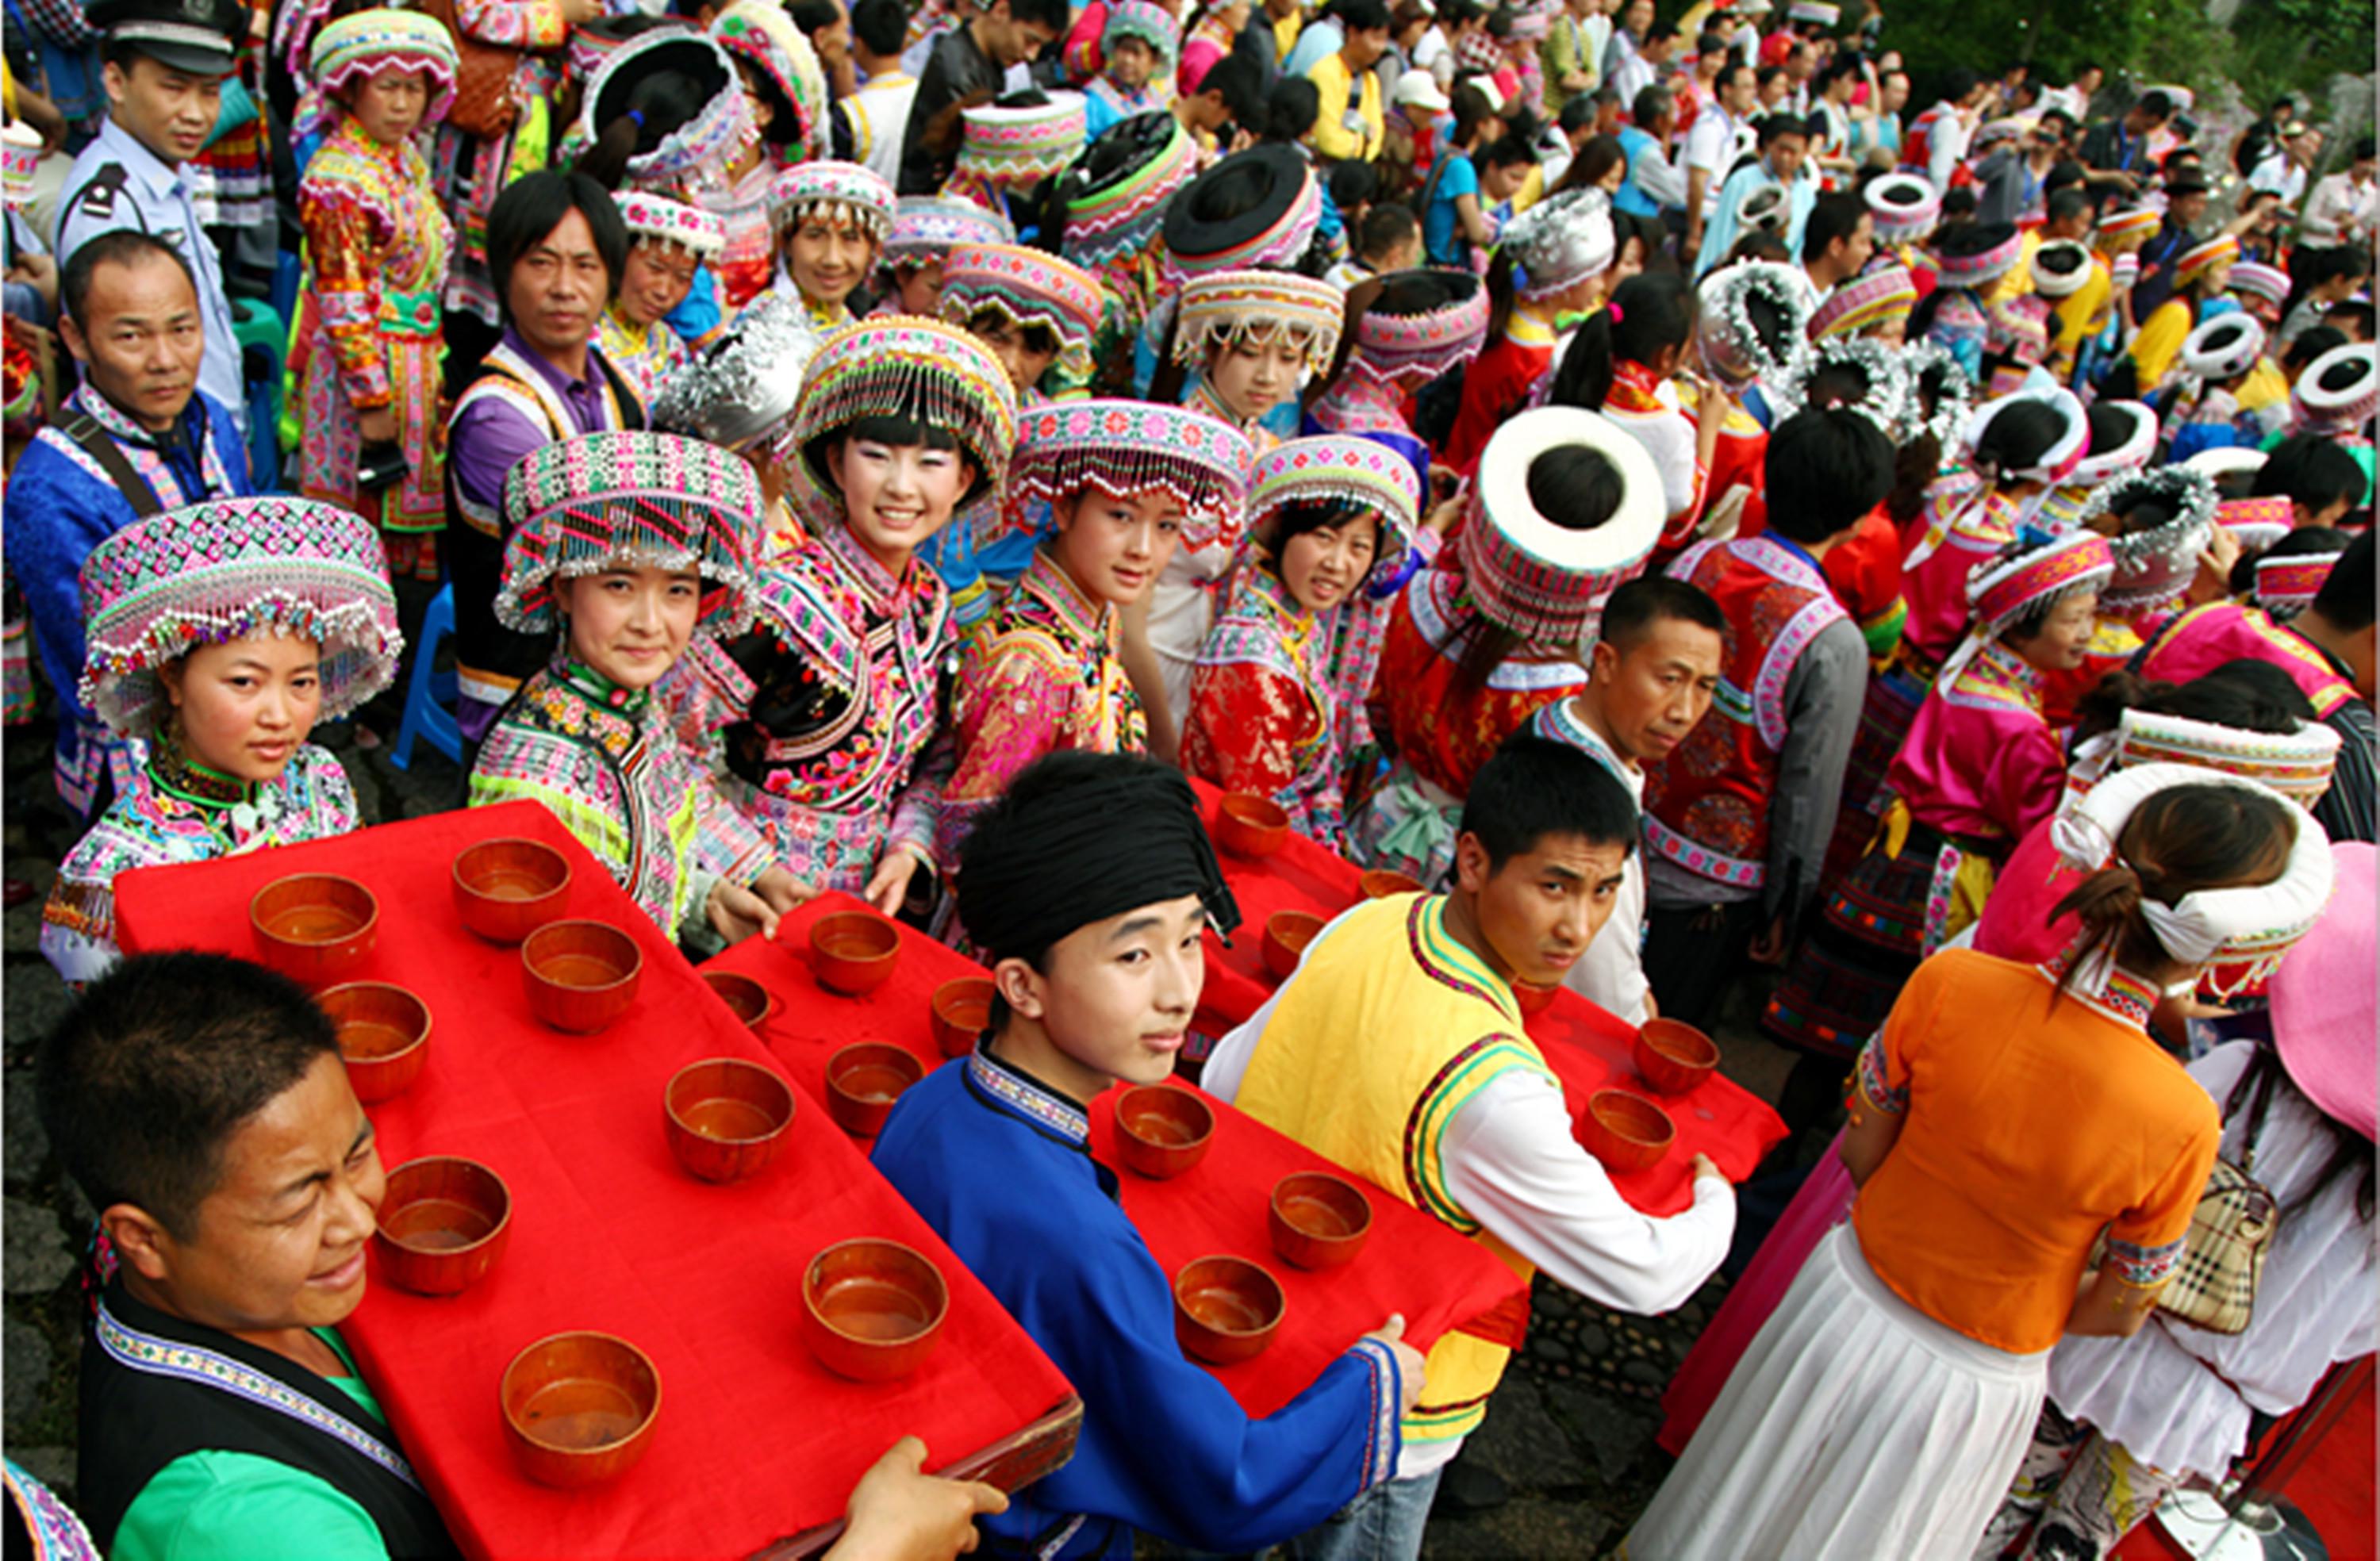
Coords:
755,1440
1587,1048
1411,1263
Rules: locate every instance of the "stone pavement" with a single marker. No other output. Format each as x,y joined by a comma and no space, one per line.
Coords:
1570,1432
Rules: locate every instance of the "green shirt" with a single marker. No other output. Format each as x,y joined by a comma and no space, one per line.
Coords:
206,1506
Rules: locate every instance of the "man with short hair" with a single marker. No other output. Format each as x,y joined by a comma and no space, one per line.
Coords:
1652,188
556,248
1713,142
164,64
968,62
1783,139
1649,681
872,124
2344,206
2123,144
136,437
1648,61
1836,242
2186,192
1557,143
2285,169
1352,123
1388,239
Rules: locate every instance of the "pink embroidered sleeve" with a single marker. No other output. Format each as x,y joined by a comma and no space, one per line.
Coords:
2028,776
513,24
1009,703
347,246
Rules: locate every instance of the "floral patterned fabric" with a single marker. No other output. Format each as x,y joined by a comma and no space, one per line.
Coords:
1261,714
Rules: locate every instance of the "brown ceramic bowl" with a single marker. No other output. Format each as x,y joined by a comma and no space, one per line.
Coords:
863,1080
506,889
579,1408
1533,999
1319,1220
1226,1309
384,1035
745,999
581,975
1286,934
1380,882
443,1224
873,1310
314,928
962,1009
1626,1132
1162,1132
854,952
1248,825
1673,1056
726,1117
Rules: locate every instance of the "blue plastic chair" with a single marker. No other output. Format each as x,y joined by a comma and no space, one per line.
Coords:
263,341
429,696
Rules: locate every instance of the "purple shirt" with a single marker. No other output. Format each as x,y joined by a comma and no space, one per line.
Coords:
490,435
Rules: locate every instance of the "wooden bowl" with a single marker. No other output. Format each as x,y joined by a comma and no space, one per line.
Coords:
1673,1056
1252,826
873,1310
579,1408
1378,883
853,953
1286,934
1319,1220
1626,1132
314,928
726,1117
962,1012
581,975
443,1224
506,889
1162,1132
863,1080
1226,1309
384,1035
1533,999
745,999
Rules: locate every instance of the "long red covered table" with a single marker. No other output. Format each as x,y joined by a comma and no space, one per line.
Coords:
1411,1263
1588,1048
756,1442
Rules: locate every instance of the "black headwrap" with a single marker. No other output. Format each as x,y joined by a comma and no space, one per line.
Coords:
1079,838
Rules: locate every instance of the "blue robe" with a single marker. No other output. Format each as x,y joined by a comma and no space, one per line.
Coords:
1002,1166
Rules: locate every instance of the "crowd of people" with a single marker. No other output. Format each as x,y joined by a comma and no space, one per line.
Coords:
1712,519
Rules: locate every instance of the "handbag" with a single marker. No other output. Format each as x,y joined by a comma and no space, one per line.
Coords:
2223,1256
484,105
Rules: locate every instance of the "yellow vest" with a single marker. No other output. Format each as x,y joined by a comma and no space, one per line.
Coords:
1388,1026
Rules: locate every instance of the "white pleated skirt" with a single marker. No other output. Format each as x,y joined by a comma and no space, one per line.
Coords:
1855,1427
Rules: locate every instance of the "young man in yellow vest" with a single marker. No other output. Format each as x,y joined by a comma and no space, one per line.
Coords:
1397,1049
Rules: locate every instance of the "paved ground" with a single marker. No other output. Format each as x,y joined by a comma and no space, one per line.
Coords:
1571,1432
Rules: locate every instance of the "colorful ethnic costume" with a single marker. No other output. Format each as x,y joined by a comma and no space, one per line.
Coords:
1114,227
600,756
843,193
377,242
484,144
1969,259
649,354
1521,572
206,575
1417,327
831,711
1558,244
763,37
740,395
1263,712
1979,769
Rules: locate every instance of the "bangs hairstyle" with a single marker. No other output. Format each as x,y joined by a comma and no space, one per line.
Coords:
1534,789
528,211
1038,337
144,1081
882,429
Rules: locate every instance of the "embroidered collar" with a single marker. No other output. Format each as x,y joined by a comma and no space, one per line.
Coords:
551,372
1059,1114
184,778
1049,580
598,690
1448,961
1361,403
2129,999
1204,399
1634,387
118,425
1529,329
874,581
1562,722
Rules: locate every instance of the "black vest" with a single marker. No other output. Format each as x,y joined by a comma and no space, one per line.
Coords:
139,1416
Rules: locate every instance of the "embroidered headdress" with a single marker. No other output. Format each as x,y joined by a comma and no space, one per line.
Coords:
2339,391
1935,376
701,234
2003,593
1025,287
1559,242
1865,301
740,392
1543,581
1143,20
902,366
1754,319
1259,307
2287,586
1905,206
2055,464
2296,764
845,191
1207,232
2154,566
2268,282
1973,254
2257,523
360,45
2243,929
580,505
1408,347
207,574
2199,259
1345,469
761,33
2227,345
1116,193
2118,221
928,227
2128,452
2059,267
1127,447
704,145
1021,144
1882,368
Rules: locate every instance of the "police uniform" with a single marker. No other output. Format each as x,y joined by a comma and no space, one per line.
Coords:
119,183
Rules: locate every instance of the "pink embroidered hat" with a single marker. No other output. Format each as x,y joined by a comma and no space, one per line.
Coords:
2258,523
2287,586
1117,191
2268,282
2339,391
2127,451
1143,20
1972,254
2323,1011
901,365
1127,447
704,143
847,189
926,228
1025,287
2224,347
701,234
1905,206
1340,468
1258,307
1021,145
1874,298
1420,324
363,44
2004,593
207,574
1544,580
761,34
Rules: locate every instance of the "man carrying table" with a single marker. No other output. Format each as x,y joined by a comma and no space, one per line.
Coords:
1088,886
1397,1049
